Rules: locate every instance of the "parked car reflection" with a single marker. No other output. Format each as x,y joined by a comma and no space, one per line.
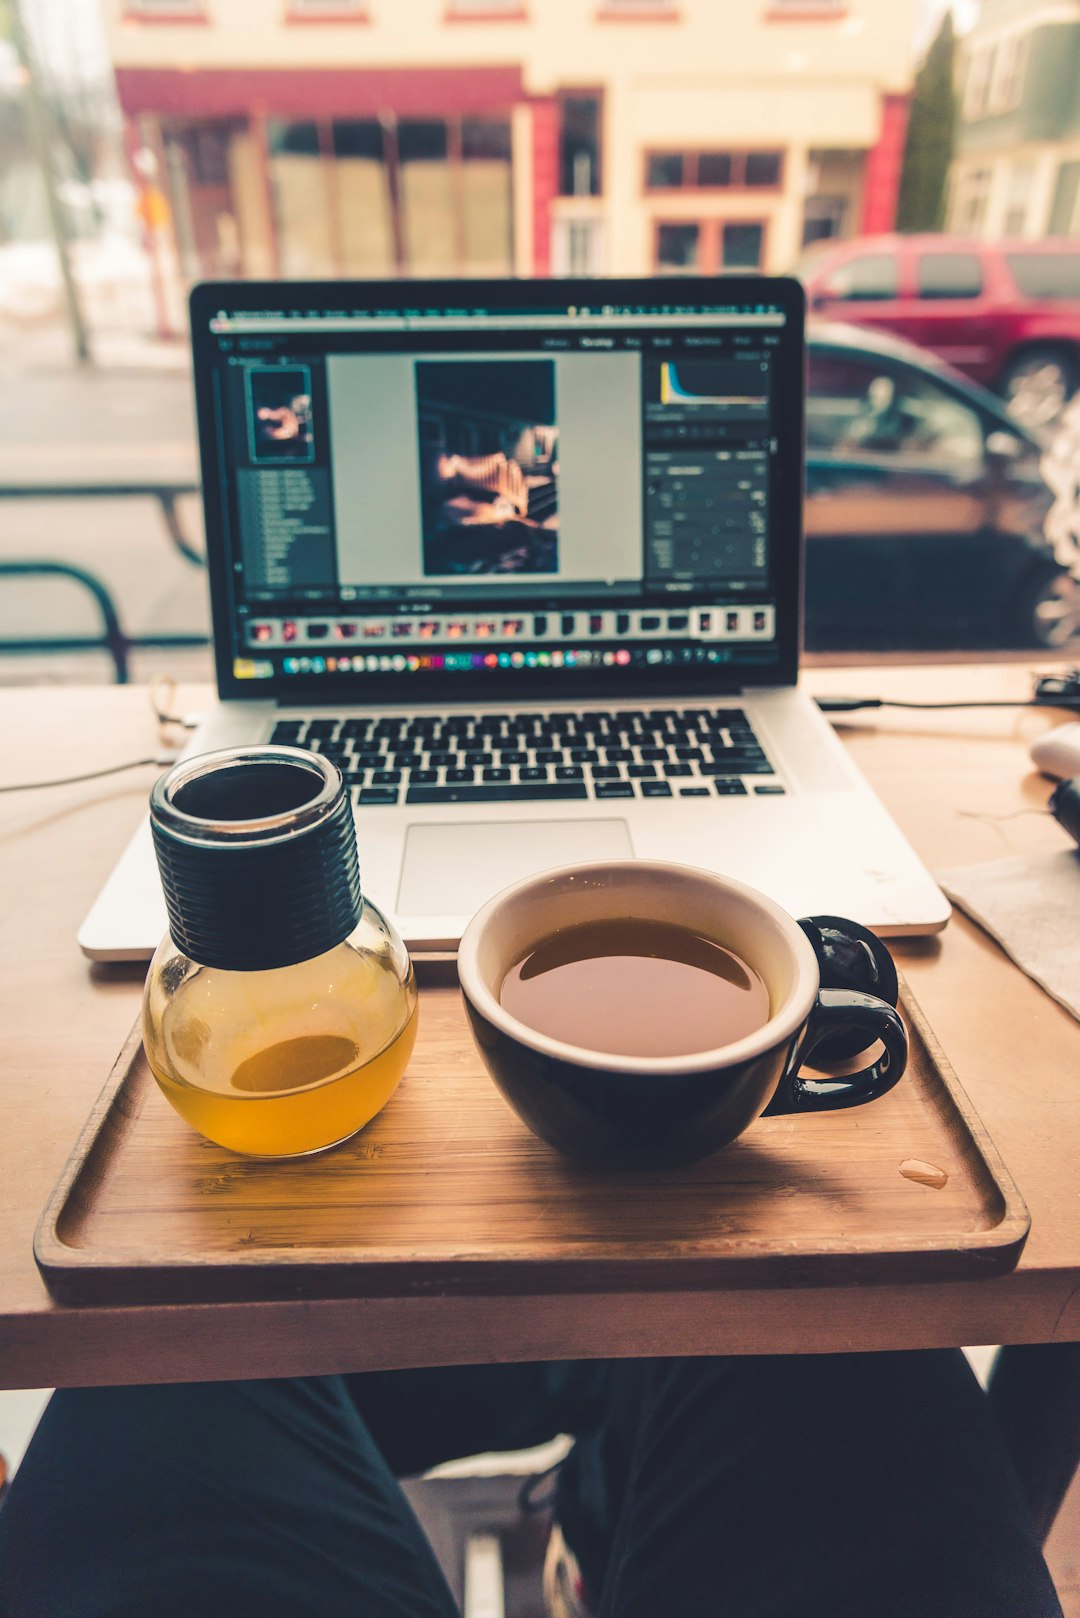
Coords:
926,509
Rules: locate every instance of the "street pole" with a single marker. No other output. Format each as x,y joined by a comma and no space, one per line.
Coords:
40,134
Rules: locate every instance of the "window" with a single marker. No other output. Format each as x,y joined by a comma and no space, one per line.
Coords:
858,408
823,219
949,275
1046,275
664,170
977,83
484,10
741,246
577,247
822,10
1007,85
327,10
762,168
970,194
579,146
677,247
651,10
712,170
865,279
165,9
1063,211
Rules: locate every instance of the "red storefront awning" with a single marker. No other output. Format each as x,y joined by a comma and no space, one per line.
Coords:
318,92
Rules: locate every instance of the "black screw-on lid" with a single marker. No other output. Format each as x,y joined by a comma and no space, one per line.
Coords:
256,848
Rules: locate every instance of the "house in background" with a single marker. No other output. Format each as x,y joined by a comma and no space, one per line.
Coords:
1017,168
488,137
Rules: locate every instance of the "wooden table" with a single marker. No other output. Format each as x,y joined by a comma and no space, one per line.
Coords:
953,780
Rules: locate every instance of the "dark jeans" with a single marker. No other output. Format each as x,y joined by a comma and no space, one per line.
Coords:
839,1486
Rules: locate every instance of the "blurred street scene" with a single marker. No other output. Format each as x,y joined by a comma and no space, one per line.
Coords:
148,144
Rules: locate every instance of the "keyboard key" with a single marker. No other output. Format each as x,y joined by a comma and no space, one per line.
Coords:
659,754
729,786
693,792
569,772
479,760
495,792
618,755
512,755
499,773
614,789
637,772
460,776
689,755
768,789
286,732
736,767
378,795
442,757
321,727
671,770
533,772
549,755
607,772
423,777
385,778
584,755
655,789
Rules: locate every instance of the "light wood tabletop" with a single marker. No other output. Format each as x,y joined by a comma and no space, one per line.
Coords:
954,780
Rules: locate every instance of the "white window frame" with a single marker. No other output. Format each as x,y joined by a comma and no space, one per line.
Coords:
1010,65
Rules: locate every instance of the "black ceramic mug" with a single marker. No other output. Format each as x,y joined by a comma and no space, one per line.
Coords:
634,1110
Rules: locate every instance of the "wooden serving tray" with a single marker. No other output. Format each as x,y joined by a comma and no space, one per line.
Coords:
446,1191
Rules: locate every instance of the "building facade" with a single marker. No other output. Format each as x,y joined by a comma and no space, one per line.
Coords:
1017,168
471,137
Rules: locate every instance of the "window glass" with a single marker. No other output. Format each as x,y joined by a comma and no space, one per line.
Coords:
714,168
1046,275
579,146
665,169
363,197
677,247
863,408
301,199
741,246
871,276
762,168
949,275
1063,211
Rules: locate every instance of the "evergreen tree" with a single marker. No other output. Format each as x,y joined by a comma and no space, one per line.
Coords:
931,131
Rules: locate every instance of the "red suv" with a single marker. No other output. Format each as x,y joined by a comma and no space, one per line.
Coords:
1006,313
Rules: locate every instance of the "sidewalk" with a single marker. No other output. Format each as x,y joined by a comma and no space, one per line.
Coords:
129,415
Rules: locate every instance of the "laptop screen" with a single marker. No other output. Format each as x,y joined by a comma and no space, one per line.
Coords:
418,490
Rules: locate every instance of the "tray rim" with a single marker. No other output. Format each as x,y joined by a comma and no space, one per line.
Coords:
76,1275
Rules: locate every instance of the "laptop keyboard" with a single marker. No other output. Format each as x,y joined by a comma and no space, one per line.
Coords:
540,757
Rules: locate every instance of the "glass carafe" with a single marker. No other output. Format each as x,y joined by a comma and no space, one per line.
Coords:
280,1010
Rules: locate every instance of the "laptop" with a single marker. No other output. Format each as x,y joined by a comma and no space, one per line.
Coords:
524,558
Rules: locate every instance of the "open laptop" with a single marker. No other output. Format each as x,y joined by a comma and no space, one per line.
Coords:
525,559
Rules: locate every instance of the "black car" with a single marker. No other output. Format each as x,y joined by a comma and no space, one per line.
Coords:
925,508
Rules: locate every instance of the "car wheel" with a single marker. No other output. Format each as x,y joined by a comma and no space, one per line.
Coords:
1051,613
1038,383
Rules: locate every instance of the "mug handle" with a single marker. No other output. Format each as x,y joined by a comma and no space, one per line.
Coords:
853,1019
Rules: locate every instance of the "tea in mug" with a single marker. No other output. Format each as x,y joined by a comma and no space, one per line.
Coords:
631,987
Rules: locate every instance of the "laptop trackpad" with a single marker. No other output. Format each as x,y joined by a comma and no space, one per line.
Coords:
451,870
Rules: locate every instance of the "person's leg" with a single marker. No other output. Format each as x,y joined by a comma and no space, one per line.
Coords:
818,1486
230,1499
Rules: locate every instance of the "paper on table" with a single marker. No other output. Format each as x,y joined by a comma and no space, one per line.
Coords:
1031,905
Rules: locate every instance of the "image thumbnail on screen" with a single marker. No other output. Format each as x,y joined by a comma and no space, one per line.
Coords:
279,413
489,466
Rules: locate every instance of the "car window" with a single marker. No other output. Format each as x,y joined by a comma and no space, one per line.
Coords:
862,407
863,279
949,275
1046,275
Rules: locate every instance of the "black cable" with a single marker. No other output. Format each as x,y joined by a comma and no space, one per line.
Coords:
91,775
850,704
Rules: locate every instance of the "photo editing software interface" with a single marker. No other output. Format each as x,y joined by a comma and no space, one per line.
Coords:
466,489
